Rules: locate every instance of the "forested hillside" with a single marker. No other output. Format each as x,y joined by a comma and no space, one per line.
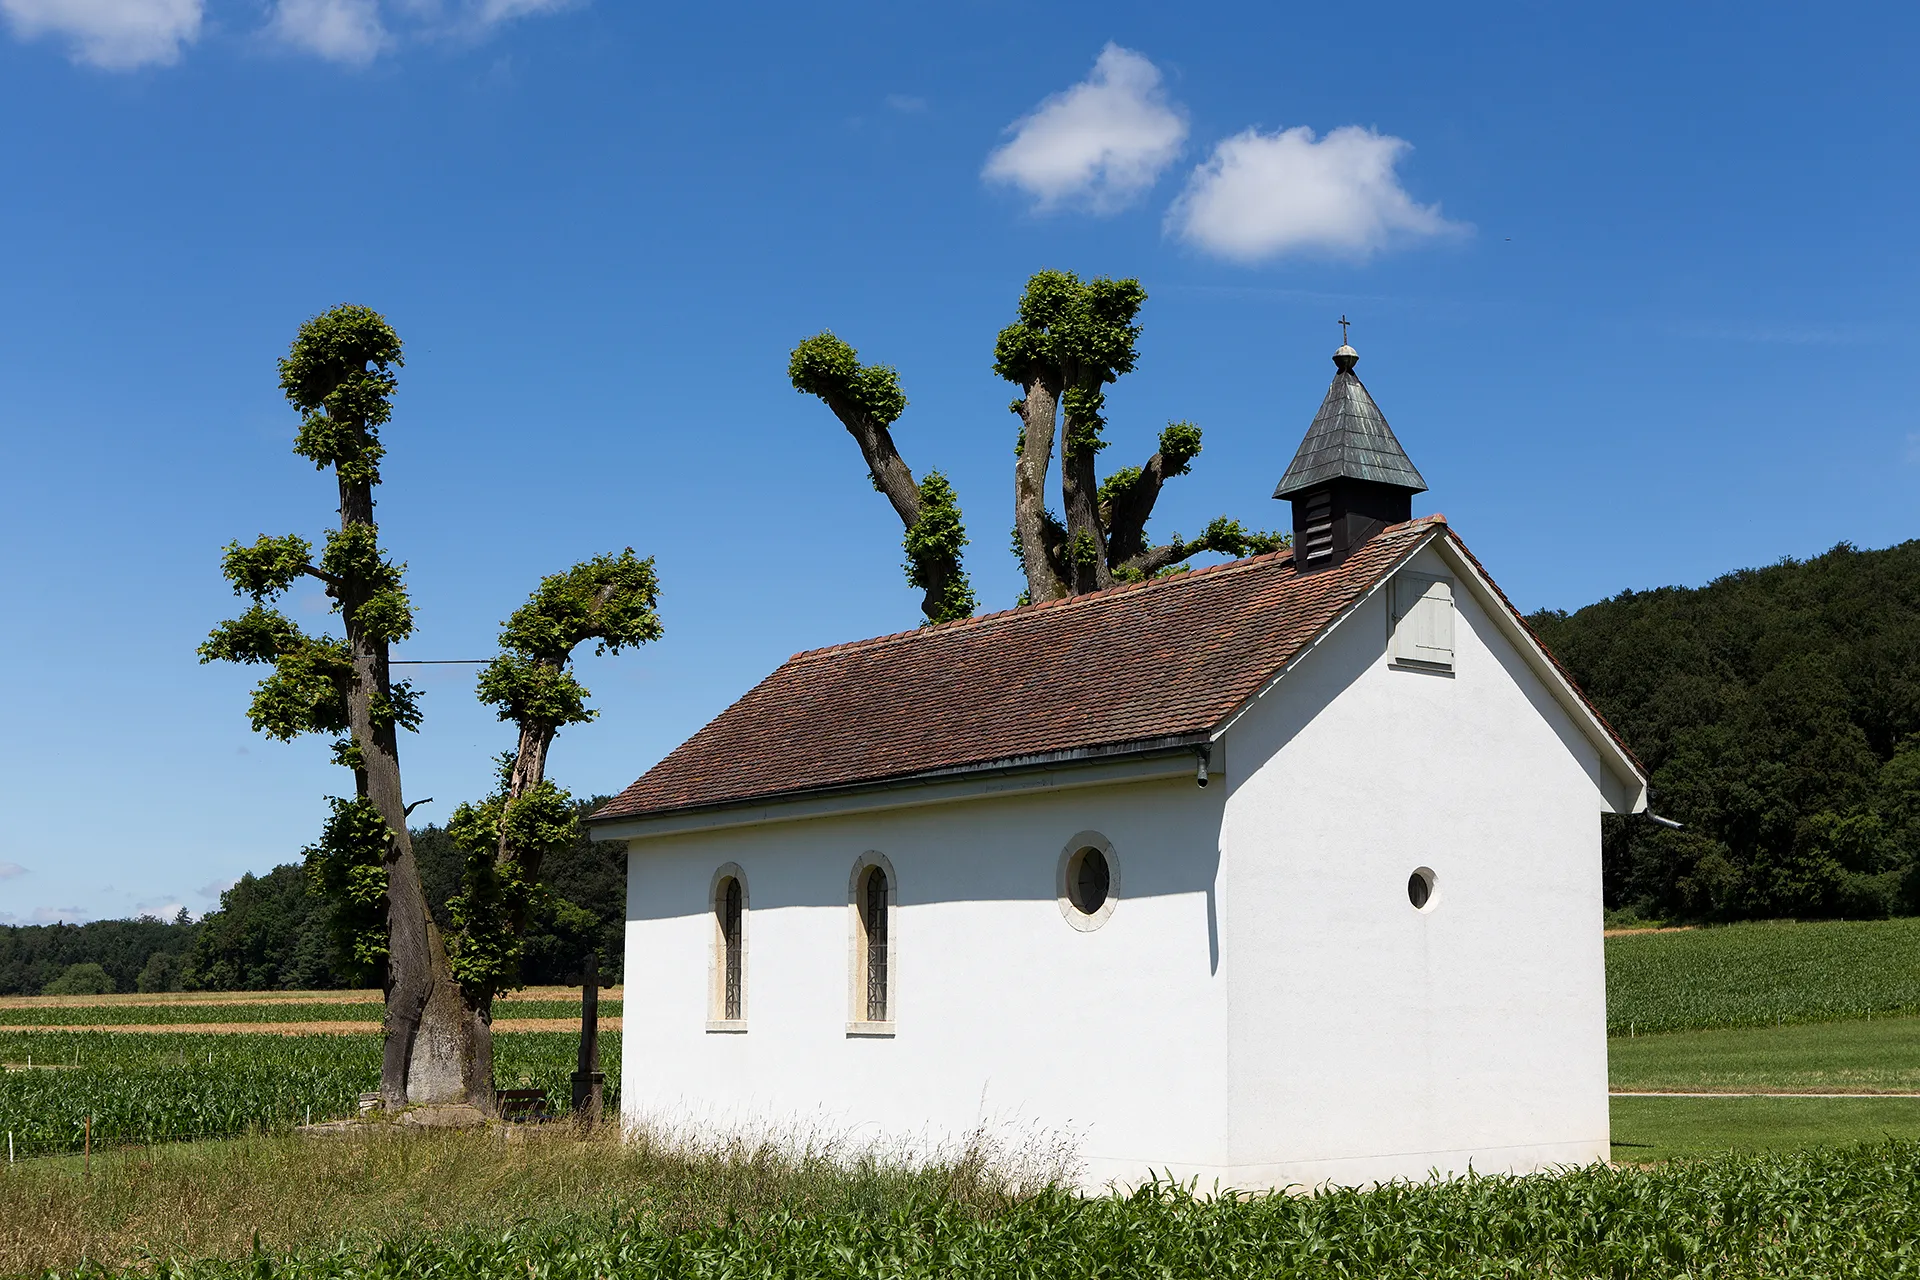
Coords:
1779,712
271,933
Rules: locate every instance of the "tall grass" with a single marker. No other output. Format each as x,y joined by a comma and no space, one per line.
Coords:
1845,1212
1759,974
146,1089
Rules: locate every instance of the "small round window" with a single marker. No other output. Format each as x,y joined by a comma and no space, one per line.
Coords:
1089,880
1420,888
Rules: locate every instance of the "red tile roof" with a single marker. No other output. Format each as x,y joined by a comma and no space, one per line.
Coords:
1165,659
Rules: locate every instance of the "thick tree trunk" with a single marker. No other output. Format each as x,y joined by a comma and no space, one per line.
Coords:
430,1044
1079,498
1037,411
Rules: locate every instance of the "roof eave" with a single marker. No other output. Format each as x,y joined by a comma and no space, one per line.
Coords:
1104,753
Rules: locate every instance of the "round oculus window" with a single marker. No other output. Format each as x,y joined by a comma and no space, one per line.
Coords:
1089,881
1420,888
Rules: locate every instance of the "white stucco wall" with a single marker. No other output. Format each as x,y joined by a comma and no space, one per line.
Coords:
1372,1040
1264,1007
1004,1013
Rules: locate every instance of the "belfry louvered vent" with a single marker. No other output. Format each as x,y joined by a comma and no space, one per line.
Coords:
1318,527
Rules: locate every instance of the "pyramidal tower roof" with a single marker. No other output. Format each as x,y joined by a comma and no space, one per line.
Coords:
1349,439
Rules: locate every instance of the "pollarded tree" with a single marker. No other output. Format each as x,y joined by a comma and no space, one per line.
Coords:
610,602
868,401
1071,339
340,376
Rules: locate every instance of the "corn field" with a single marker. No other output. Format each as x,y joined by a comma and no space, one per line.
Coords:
1748,975
166,1088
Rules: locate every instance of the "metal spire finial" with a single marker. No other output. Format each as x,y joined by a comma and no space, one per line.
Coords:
1346,357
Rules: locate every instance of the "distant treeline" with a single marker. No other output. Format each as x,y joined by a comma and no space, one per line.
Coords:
271,931
1779,712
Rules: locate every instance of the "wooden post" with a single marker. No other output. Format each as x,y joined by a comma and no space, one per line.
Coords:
89,1156
588,1080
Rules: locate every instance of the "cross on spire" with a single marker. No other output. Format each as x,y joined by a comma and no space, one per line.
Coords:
1343,329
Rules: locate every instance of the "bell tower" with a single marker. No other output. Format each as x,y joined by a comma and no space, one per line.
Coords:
1350,477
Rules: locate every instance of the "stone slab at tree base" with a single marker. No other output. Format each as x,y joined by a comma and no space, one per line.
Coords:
439,1116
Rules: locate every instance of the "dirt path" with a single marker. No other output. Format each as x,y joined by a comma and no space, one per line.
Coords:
1765,1093
265,998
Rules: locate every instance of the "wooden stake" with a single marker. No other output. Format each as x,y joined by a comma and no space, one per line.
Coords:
89,1144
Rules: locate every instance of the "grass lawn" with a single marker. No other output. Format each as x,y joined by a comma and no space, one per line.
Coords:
1647,1130
1877,1055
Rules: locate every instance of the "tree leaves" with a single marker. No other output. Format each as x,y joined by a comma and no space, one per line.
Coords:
933,545
266,568
339,374
348,868
827,367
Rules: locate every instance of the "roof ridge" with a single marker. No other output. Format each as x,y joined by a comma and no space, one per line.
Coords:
1021,610
1085,598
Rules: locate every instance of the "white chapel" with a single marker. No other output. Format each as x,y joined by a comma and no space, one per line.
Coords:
1281,872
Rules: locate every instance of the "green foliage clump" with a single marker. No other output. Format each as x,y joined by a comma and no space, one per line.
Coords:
825,366
1075,336
498,896
933,545
348,867
1761,974
1778,710
609,600
339,374
84,979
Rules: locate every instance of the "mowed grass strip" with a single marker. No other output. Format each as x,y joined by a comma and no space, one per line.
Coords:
1648,1130
466,1207
153,1089
1877,1055
1761,974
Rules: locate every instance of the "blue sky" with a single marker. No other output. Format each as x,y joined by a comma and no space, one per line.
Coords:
1633,284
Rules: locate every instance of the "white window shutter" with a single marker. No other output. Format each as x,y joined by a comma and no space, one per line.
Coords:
1423,620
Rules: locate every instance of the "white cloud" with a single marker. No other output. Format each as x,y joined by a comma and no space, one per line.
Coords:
47,915
8,870
348,31
489,12
114,34
906,103
1102,143
1261,195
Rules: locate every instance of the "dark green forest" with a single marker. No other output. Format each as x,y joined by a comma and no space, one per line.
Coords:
271,931
1778,711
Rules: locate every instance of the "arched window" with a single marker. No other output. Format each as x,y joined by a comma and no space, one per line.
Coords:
730,947
727,977
871,896
873,918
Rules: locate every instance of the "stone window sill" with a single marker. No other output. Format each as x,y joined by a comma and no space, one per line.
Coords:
870,1030
728,1026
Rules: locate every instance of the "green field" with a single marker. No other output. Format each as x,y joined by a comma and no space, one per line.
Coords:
111,1015
154,1088
1762,974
